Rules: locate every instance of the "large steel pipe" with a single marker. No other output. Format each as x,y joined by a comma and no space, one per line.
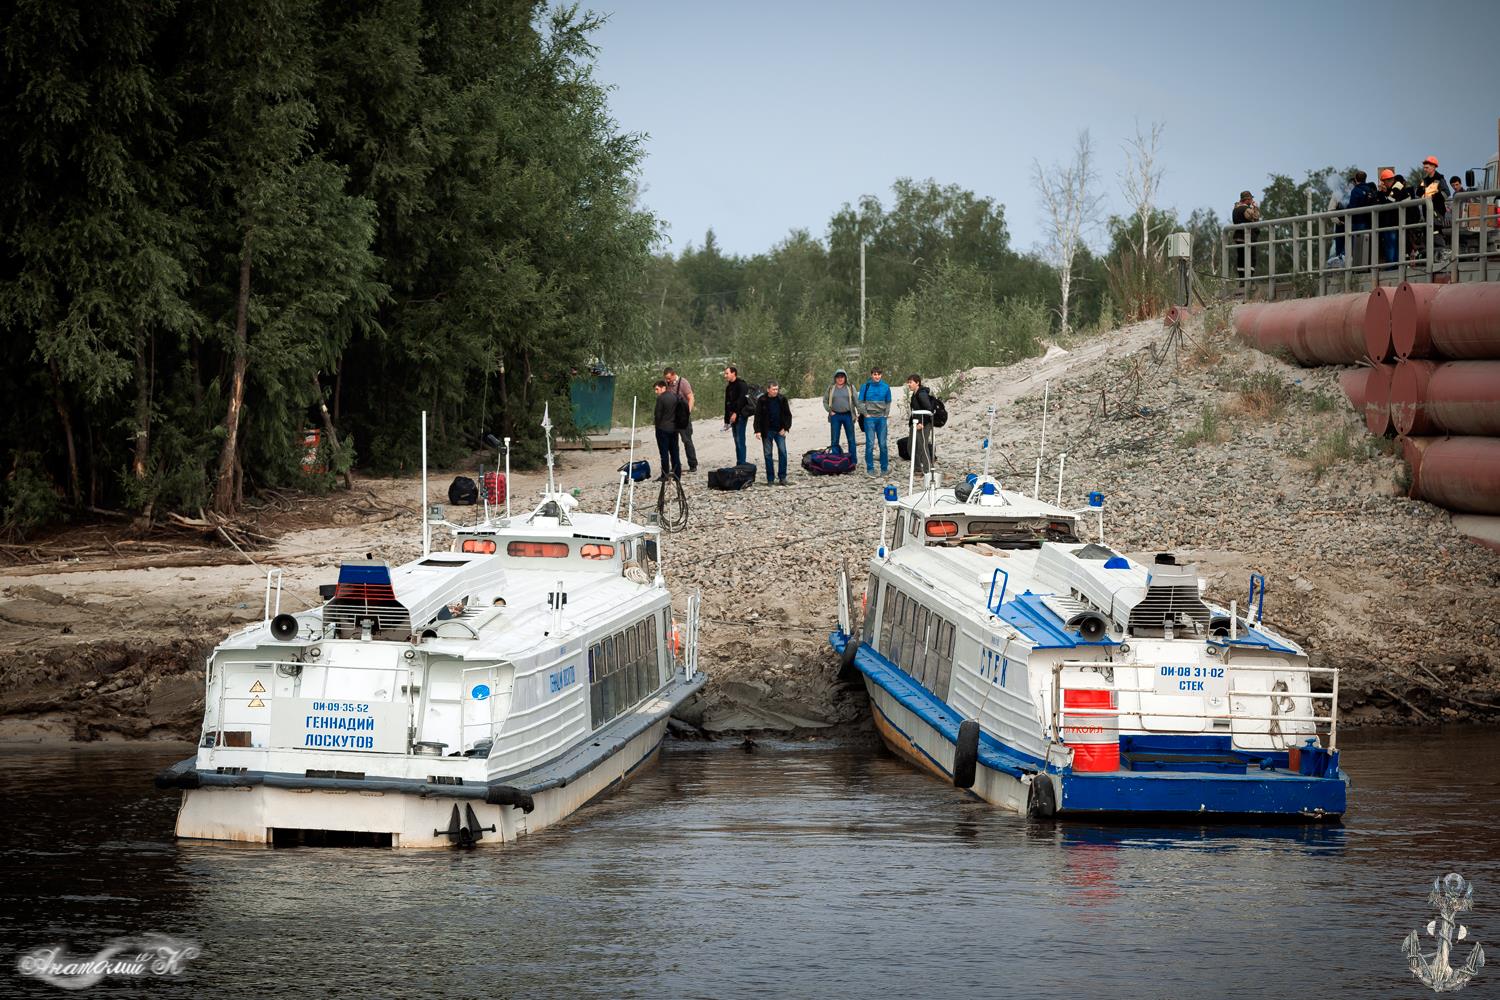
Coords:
1458,322
1353,382
1331,330
1459,473
1378,325
1321,331
1378,400
1453,397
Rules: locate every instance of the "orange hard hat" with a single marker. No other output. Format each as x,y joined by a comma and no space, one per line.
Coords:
1432,160
1387,174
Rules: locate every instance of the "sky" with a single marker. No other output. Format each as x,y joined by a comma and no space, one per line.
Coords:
764,117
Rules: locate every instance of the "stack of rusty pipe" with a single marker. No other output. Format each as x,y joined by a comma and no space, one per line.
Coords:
1433,375
1445,392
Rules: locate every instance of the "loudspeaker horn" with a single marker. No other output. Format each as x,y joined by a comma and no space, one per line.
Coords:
284,627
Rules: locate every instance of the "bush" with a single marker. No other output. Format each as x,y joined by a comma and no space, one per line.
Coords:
1209,429
30,499
1263,395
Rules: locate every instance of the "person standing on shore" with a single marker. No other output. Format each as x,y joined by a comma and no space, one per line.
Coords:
839,402
737,410
875,407
773,418
923,406
680,386
667,406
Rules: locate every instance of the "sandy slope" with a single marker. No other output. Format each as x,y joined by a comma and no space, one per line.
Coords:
1370,581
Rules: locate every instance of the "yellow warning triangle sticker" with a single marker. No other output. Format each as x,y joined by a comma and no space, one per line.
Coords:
256,702
257,688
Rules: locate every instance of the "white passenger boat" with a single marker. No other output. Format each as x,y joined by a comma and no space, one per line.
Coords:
468,697
1055,676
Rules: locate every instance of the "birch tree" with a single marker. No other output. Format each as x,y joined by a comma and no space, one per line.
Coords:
1071,210
1141,178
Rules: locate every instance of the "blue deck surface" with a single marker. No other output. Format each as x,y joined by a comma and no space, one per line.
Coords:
1041,625
1261,791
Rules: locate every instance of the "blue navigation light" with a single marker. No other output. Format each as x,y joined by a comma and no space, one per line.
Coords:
891,494
1096,499
971,479
1116,562
986,443
988,489
880,552
480,692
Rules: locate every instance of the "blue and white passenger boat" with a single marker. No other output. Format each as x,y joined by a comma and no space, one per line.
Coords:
471,696
1059,677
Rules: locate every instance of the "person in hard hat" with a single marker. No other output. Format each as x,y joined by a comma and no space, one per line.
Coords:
1393,188
1434,188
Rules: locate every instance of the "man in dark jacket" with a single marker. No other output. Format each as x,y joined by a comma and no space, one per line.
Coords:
1392,189
737,409
1362,195
922,408
1245,210
1432,186
773,418
668,404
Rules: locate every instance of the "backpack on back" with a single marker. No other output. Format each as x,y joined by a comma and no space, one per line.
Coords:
939,412
827,463
683,415
752,399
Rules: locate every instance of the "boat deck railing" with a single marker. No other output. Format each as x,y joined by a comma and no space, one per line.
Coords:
1322,724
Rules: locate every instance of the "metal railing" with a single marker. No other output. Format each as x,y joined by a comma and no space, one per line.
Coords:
1230,713
1355,249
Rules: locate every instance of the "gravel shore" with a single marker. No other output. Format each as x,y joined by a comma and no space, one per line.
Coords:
1279,478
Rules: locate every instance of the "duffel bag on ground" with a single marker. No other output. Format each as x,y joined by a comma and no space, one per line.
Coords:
827,463
903,448
733,477
463,492
640,470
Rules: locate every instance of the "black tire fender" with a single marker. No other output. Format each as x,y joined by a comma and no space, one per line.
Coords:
966,754
851,649
1041,797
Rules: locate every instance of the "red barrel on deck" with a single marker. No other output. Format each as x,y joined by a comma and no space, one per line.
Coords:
1094,732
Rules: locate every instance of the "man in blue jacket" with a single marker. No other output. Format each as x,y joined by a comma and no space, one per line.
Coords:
875,407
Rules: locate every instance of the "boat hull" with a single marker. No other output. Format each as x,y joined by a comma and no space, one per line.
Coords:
253,813
258,807
922,733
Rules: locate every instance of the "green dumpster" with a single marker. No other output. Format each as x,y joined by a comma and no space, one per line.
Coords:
593,395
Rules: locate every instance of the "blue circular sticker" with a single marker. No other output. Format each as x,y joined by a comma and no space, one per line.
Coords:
480,692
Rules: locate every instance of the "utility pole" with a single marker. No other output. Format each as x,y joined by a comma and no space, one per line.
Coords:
861,298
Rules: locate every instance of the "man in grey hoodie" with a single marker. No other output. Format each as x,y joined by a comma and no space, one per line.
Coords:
839,402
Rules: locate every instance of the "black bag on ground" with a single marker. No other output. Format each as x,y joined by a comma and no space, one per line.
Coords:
463,492
903,448
732,477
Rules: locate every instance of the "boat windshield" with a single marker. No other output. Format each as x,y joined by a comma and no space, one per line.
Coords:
1007,533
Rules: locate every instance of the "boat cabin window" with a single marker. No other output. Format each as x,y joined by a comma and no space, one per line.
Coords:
538,550
592,551
900,532
482,546
624,669
918,640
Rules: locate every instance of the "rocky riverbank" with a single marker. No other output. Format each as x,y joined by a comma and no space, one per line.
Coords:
1229,458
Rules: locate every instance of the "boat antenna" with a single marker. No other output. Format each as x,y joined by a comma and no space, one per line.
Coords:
484,495
911,467
1036,486
507,479
989,433
547,429
635,401
625,473
1062,461
426,528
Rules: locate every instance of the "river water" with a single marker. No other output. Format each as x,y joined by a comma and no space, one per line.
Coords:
797,870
